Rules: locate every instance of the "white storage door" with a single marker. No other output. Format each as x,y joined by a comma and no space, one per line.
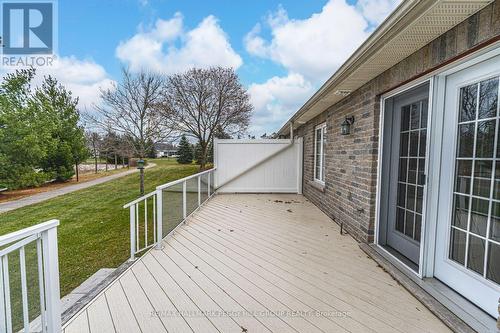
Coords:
258,166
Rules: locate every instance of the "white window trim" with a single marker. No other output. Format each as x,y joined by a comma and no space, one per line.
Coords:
323,128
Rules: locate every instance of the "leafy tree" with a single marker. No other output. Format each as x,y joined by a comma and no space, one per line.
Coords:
67,147
23,134
185,151
197,153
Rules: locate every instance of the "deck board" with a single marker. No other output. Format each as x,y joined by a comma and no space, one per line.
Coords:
256,263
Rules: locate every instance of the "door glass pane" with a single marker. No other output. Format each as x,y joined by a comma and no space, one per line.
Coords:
468,103
414,140
403,145
496,188
457,246
412,150
412,170
463,176
479,216
403,169
405,118
461,211
423,118
422,145
488,98
485,138
495,222
466,140
418,227
475,213
475,259
409,224
482,178
400,219
415,116
493,268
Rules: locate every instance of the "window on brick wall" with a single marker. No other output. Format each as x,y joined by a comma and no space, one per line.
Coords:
319,153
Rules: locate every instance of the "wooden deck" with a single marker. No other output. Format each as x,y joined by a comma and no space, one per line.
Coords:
256,263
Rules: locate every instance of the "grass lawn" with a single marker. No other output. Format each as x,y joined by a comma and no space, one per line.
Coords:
94,230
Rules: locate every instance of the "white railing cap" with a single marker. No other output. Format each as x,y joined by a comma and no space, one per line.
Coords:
139,199
26,232
161,187
178,181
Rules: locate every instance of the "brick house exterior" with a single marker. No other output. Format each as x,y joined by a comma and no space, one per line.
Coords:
349,193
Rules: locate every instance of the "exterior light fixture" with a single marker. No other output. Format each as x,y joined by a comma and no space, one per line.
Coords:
345,127
140,164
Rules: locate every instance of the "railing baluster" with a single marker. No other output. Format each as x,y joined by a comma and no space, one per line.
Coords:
132,232
146,222
6,290
199,191
154,218
208,183
24,290
184,198
41,284
2,302
137,233
159,218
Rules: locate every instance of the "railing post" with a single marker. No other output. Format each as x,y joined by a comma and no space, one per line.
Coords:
199,191
51,274
132,232
159,218
184,199
208,183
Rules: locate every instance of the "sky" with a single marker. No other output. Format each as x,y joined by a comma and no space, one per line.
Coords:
283,51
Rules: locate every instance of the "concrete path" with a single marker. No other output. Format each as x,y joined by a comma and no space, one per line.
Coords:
33,199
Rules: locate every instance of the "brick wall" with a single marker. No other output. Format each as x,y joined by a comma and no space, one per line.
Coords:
349,193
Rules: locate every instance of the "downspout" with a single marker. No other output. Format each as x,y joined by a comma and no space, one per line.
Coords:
292,141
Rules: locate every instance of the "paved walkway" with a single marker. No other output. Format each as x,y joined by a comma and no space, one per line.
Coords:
36,198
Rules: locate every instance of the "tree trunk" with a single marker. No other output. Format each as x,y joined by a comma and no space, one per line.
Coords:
77,174
116,162
106,158
123,162
95,159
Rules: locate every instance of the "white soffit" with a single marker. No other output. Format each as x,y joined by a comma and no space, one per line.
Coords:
410,27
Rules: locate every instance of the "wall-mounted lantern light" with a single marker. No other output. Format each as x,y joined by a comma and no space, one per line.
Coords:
345,127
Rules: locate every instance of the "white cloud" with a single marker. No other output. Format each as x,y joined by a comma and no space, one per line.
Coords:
375,11
83,78
310,50
277,99
168,48
315,46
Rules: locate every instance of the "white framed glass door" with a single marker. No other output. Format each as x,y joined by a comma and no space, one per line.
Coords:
467,256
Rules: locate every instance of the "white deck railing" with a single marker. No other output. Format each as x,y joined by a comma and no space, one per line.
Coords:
40,241
155,215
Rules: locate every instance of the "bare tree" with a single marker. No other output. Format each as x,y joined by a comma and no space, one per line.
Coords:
94,143
130,108
201,102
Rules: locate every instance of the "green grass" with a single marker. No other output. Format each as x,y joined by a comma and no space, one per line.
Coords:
94,229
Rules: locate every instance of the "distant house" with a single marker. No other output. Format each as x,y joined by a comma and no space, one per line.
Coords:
165,150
